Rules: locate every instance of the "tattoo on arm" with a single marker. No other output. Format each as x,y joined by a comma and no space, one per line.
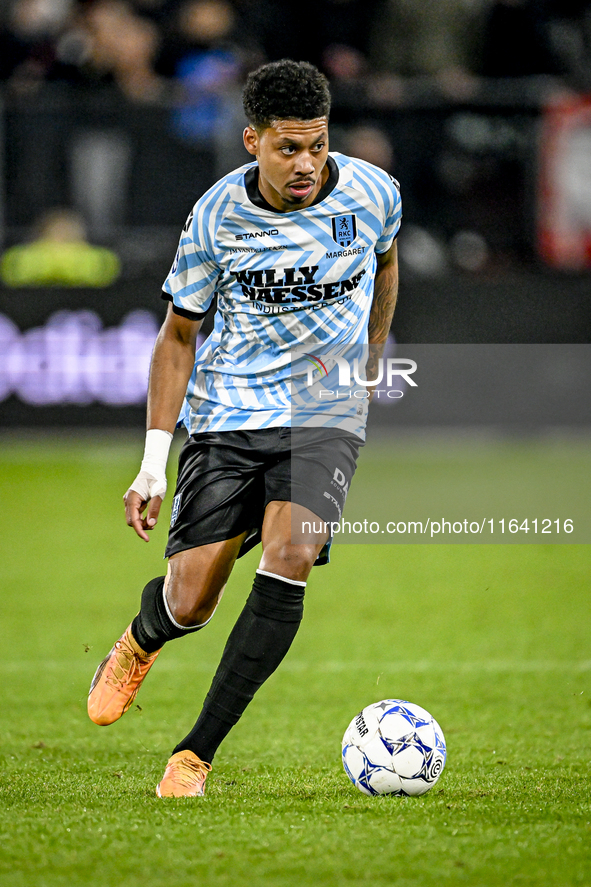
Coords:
382,311
384,301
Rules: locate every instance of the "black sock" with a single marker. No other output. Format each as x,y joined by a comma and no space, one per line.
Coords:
257,644
152,626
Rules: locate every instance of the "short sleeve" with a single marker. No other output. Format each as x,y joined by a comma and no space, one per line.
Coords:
192,280
393,217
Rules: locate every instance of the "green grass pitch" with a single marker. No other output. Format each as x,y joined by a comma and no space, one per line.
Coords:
493,640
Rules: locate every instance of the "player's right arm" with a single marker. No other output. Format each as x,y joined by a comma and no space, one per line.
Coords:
173,360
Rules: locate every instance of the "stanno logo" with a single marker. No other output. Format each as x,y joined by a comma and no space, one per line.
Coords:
272,232
344,229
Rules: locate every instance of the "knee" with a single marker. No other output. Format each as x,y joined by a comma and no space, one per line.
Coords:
188,603
187,614
289,560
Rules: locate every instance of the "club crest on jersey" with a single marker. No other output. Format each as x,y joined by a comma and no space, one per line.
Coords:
344,229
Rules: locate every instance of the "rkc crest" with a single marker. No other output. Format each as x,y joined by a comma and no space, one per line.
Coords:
344,229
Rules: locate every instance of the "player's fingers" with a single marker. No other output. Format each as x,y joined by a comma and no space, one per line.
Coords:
137,524
134,505
151,518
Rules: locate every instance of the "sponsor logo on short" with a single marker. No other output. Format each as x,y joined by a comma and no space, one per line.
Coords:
340,481
176,507
332,499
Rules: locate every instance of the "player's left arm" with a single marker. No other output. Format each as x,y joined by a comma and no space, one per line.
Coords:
385,292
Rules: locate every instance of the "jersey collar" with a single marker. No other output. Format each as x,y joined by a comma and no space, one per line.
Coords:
251,181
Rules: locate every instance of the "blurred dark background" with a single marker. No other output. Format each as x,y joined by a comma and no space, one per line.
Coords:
116,116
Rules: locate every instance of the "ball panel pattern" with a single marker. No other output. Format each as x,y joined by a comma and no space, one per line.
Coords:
394,747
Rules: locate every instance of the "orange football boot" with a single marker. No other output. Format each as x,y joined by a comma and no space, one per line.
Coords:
118,679
184,776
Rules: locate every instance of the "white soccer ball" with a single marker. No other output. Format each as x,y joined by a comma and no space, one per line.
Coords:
394,748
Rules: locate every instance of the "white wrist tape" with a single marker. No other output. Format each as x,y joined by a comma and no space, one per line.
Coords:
151,481
156,451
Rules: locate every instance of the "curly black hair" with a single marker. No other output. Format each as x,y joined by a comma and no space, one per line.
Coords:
285,90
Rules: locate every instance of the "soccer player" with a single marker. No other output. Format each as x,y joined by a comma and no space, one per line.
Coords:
299,247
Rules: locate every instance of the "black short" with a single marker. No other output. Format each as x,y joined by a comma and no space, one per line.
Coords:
227,478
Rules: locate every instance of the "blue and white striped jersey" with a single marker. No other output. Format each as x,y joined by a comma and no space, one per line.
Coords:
300,280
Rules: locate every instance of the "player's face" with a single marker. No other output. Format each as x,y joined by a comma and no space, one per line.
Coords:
292,158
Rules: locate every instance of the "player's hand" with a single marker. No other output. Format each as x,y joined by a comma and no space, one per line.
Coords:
148,492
